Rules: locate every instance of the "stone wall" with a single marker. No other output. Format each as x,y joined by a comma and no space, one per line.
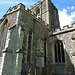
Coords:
19,17
20,23
65,35
9,53
48,13
39,32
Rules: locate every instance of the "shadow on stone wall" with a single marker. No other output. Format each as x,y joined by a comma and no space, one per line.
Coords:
66,68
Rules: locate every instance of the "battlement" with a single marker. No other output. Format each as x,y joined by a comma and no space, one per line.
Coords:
28,11
14,8
66,28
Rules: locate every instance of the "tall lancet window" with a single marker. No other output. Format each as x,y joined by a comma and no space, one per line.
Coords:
29,47
63,56
59,52
3,36
45,51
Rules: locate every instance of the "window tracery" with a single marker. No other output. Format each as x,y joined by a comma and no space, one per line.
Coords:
59,52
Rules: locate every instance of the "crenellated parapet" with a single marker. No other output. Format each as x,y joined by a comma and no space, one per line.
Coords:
28,11
15,8
65,29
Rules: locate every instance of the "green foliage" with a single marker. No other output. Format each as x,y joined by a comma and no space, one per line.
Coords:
53,73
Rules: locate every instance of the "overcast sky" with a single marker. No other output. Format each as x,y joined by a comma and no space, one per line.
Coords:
66,8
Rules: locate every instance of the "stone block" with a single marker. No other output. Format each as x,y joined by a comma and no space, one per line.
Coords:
37,71
44,71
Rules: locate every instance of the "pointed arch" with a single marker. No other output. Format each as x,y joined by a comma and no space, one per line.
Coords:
29,46
59,52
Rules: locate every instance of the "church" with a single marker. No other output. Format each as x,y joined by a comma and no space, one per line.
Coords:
33,43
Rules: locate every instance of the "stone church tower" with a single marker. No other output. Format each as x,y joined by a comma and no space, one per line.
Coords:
32,42
47,12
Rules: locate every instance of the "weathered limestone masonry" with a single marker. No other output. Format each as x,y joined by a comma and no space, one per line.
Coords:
46,10
32,42
20,23
11,56
67,36
39,32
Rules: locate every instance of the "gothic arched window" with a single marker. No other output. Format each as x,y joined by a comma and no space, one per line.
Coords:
59,52
29,47
45,51
3,36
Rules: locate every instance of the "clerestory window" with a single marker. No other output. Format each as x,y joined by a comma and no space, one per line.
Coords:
45,51
59,52
29,47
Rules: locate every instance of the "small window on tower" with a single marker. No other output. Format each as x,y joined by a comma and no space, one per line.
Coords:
37,10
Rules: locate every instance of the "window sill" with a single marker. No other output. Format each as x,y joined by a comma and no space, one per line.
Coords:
58,64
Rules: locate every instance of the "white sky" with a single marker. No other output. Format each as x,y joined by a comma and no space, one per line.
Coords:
65,18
